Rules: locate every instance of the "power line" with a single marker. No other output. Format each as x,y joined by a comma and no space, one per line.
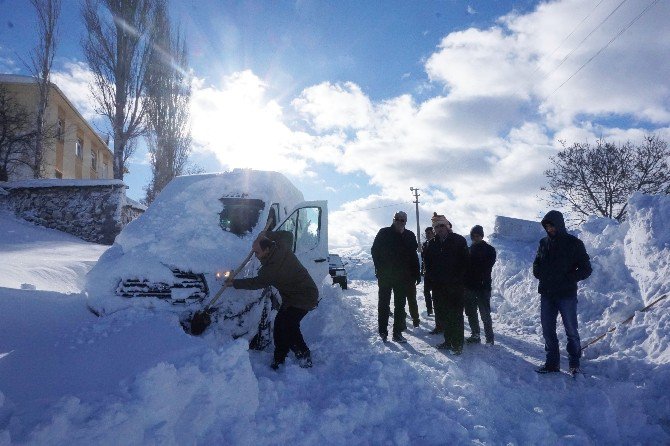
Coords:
623,30
571,33
587,36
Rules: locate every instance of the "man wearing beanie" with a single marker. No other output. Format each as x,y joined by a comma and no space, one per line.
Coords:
446,260
394,253
478,286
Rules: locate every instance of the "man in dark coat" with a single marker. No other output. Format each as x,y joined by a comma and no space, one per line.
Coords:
446,263
561,261
426,284
478,286
394,253
281,269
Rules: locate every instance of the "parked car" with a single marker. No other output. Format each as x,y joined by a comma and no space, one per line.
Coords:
172,256
337,271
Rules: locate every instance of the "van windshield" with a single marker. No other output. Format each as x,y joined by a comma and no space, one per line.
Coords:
240,215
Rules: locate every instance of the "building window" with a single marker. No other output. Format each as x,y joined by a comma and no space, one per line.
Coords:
94,159
60,130
79,148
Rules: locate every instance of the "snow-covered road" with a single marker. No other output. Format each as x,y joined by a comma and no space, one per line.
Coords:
415,394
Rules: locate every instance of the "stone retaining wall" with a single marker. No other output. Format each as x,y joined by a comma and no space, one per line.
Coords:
92,210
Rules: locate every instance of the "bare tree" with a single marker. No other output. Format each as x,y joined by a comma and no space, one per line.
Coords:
17,133
598,180
167,103
117,52
41,61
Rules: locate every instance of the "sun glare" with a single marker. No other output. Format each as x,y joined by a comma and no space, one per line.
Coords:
240,125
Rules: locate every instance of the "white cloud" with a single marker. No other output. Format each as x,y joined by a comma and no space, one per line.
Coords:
529,56
74,81
329,106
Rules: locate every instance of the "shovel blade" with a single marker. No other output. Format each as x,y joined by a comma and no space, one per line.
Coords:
198,323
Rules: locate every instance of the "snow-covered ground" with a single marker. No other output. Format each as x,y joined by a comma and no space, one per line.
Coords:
135,377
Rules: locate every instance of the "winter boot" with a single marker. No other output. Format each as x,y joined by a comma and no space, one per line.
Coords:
399,338
304,359
548,369
474,339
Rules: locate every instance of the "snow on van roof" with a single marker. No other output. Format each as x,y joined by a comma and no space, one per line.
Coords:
181,228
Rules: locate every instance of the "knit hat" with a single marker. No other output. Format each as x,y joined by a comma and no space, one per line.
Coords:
476,229
428,229
440,220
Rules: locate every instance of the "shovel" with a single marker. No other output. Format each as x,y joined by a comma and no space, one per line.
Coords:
202,319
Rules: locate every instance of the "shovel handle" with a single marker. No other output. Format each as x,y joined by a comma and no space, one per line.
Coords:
232,276
236,272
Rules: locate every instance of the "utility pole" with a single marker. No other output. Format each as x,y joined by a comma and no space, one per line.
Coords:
418,229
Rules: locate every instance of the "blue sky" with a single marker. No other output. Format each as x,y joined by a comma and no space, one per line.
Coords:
356,101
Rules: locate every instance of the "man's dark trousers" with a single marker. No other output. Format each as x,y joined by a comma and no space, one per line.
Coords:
287,334
550,307
412,304
400,290
448,303
479,299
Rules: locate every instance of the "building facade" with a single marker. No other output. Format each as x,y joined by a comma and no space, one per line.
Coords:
76,151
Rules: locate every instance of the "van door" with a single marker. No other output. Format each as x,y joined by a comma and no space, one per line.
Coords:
308,223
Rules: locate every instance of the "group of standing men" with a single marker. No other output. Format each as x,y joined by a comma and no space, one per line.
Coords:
457,279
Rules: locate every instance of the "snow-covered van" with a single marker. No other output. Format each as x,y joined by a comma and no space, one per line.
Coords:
171,257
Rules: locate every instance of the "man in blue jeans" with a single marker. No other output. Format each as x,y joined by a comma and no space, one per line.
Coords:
561,261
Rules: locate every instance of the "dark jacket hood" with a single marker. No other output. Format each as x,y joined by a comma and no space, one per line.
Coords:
556,219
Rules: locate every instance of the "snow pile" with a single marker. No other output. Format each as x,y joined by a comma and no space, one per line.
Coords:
647,244
517,229
42,258
144,412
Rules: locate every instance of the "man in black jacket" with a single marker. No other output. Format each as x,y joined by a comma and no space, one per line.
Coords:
397,270
446,263
561,261
478,286
281,269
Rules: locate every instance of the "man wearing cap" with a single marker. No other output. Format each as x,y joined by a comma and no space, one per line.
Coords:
426,284
561,261
397,270
478,286
446,263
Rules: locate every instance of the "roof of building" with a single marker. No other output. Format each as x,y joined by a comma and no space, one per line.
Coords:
23,79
